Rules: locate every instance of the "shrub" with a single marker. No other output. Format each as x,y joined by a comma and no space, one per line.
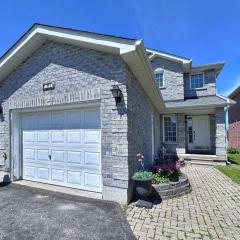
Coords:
174,176
158,178
233,150
142,175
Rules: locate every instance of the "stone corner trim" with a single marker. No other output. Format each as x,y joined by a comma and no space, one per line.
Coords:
66,98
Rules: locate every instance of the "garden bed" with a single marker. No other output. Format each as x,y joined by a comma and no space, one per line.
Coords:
173,189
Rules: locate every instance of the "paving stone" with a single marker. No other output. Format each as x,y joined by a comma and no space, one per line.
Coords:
210,211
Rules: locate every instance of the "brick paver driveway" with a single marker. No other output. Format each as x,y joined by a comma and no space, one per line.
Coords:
210,211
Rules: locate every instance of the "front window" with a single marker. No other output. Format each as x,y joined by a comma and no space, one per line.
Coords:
197,80
170,128
159,78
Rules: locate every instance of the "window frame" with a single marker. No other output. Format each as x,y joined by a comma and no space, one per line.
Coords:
159,70
192,74
170,142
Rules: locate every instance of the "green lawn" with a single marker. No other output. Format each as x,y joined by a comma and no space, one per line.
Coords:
234,158
232,171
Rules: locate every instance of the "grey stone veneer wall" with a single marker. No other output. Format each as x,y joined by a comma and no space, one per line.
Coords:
74,69
209,87
173,77
221,146
212,134
140,112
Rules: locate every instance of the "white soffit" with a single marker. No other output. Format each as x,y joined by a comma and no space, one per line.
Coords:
140,66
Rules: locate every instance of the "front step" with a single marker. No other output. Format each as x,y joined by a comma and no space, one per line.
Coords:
200,159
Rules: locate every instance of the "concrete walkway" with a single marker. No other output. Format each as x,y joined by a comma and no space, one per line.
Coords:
210,211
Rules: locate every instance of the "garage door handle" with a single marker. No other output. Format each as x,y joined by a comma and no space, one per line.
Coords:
50,157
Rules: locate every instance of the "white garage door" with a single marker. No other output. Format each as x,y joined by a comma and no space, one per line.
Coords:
63,148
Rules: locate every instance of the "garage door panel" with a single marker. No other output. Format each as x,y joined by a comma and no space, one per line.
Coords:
73,118
57,118
43,154
57,136
63,148
42,136
91,136
91,180
58,175
74,177
57,155
91,119
29,137
29,171
74,157
29,153
28,121
43,119
74,137
92,158
43,173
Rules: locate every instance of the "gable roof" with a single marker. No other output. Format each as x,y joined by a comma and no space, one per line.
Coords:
234,93
131,50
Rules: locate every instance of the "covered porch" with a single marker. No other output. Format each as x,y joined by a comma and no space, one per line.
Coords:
198,135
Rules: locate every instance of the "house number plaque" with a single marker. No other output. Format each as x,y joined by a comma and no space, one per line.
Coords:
48,86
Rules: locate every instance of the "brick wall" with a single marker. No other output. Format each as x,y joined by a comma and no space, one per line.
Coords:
221,146
140,112
234,123
73,69
173,76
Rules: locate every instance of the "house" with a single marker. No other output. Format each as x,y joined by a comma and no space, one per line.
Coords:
234,120
77,106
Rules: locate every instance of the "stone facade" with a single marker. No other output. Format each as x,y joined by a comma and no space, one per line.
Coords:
73,69
83,75
173,78
221,146
209,88
142,117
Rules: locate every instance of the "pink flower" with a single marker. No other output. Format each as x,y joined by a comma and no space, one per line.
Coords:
139,155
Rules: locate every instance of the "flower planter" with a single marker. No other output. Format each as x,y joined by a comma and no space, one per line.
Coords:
143,187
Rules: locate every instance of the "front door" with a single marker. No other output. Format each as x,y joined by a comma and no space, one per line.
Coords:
198,133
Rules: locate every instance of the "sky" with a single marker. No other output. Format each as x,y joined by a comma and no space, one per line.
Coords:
206,31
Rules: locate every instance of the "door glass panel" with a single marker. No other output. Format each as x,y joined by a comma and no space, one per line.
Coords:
190,130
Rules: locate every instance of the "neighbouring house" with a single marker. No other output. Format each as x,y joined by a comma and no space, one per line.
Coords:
234,120
77,106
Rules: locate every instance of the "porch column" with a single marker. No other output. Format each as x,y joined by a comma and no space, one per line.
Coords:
181,134
221,143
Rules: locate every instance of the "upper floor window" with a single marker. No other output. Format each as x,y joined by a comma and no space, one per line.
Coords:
159,76
197,80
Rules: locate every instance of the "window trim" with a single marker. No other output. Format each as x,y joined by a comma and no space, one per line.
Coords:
159,70
170,142
192,74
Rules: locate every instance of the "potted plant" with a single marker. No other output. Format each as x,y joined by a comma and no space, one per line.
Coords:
143,182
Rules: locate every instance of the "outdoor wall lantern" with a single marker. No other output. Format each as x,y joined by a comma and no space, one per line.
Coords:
117,93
